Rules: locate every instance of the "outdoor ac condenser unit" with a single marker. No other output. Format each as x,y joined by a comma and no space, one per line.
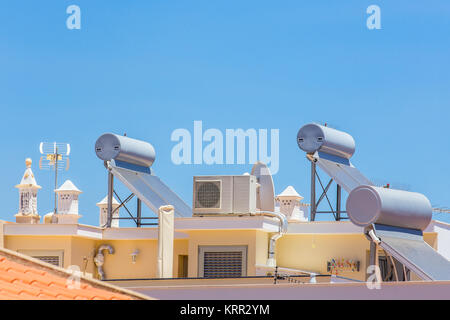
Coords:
215,195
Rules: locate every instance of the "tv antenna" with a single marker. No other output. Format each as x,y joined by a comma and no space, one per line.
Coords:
56,157
441,210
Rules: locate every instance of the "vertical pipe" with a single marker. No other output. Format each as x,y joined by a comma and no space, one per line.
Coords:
56,176
110,198
338,203
373,254
313,191
373,259
138,209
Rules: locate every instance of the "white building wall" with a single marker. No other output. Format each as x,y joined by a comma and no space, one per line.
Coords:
443,238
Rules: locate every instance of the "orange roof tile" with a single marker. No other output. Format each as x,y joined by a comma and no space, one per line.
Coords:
25,278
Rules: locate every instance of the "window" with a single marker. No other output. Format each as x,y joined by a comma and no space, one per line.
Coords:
222,261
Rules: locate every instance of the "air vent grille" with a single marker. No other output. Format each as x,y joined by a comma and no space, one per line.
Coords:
49,259
222,264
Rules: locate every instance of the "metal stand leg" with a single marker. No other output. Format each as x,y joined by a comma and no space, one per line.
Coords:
313,191
110,198
138,209
373,261
338,203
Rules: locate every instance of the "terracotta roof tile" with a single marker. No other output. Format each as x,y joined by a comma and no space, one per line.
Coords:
4,276
43,296
5,295
36,271
22,278
19,276
8,265
47,280
27,296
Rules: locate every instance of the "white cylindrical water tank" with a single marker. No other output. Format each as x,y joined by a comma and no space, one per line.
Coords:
368,204
111,146
315,137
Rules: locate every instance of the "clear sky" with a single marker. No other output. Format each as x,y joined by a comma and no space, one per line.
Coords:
148,68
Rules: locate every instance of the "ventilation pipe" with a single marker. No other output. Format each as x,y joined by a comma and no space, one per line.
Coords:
99,259
283,225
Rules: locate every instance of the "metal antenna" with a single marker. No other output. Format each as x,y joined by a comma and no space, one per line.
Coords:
441,210
56,158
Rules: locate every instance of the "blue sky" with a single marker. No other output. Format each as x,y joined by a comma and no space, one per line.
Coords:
149,67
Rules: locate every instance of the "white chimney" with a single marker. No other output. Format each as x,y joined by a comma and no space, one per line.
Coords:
290,205
67,212
103,216
28,189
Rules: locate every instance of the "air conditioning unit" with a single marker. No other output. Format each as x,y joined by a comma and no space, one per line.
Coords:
215,195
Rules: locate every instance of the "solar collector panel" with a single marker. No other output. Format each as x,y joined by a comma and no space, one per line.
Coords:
341,171
150,189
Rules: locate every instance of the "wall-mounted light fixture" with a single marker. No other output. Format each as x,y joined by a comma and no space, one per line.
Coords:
134,256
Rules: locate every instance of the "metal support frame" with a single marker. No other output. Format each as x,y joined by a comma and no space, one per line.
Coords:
338,202
373,259
337,212
56,180
110,198
393,272
313,191
390,260
137,219
138,211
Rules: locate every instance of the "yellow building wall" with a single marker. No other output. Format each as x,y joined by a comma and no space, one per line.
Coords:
2,245
120,266
82,254
431,239
262,247
310,252
52,243
180,247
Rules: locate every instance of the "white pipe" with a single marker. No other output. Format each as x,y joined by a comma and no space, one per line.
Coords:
283,225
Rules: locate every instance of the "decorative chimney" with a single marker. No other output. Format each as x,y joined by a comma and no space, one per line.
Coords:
67,212
103,205
28,189
290,205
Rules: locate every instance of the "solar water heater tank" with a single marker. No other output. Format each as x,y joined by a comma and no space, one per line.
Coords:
398,208
111,146
315,137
